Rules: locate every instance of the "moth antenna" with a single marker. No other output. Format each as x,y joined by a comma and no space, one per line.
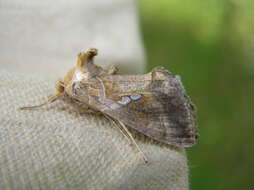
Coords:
50,100
133,141
126,133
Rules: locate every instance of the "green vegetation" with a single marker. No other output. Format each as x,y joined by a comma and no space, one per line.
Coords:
211,45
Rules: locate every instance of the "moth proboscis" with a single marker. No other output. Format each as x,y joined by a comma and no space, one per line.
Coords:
154,104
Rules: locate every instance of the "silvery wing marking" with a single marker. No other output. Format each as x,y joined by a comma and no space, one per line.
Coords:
135,96
124,100
163,111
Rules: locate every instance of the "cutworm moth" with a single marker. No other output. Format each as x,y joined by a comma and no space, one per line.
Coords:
154,104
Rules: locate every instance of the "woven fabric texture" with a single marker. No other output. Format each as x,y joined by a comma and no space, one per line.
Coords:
59,146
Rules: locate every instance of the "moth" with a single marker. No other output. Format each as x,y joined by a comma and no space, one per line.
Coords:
154,104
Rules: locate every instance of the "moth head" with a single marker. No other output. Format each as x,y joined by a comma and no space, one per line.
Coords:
83,70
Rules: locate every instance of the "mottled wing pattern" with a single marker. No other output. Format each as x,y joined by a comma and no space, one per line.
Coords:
155,104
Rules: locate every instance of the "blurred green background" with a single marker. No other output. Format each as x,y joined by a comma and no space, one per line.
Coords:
211,45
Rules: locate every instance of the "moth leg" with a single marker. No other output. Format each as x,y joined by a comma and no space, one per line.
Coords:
112,70
59,86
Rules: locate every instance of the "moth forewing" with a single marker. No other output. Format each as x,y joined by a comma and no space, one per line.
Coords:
162,111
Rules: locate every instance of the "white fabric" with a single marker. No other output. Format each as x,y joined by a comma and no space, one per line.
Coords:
59,146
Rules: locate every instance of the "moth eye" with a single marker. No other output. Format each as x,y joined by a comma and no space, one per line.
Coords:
135,96
124,100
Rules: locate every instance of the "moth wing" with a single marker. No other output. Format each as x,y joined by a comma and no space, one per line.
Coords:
158,107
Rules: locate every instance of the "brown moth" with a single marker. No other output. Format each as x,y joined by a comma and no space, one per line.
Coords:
154,104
